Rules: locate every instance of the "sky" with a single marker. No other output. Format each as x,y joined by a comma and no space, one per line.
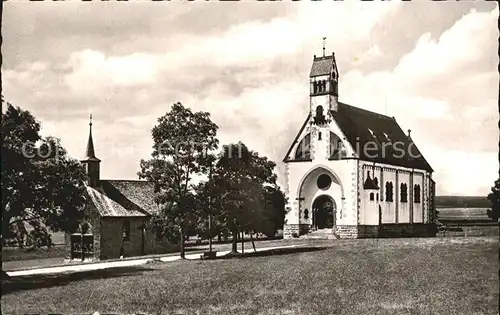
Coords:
433,66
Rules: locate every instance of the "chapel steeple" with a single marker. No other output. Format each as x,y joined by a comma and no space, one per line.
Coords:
91,162
324,80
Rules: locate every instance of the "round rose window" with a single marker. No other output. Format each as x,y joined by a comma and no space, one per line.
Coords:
324,182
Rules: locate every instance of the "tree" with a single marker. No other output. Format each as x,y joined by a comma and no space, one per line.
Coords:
238,187
41,185
494,198
182,140
275,199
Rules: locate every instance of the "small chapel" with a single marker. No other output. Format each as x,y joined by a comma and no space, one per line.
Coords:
117,212
353,173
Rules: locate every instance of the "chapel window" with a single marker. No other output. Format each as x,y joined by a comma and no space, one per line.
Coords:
335,146
388,191
404,192
303,151
417,194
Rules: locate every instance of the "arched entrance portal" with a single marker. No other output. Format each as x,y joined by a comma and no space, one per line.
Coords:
324,209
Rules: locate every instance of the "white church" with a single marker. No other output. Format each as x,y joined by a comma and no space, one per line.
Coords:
353,173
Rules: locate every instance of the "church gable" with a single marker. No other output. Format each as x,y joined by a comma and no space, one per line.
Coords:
319,138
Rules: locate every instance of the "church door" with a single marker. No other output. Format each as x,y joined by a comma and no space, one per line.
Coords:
323,212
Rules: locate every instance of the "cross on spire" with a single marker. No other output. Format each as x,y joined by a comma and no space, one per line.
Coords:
90,123
324,46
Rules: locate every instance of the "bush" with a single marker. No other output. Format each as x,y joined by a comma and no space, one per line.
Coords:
494,198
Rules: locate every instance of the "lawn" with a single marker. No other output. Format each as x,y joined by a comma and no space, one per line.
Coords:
386,276
23,258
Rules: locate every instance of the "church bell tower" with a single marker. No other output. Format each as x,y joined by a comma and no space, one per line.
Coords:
91,162
324,79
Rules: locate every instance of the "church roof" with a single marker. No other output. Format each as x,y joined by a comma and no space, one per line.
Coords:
123,198
297,137
362,127
322,66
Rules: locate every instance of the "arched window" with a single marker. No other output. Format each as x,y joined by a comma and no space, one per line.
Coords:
404,192
372,196
335,147
319,119
303,151
388,191
416,195
306,214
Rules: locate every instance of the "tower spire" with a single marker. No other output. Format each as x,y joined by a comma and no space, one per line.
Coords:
324,46
91,162
90,152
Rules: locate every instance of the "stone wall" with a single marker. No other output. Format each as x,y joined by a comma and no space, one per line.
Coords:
111,234
407,230
95,220
396,230
466,231
298,229
368,231
346,231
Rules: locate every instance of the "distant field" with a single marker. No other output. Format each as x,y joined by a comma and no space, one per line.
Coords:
462,202
476,213
445,276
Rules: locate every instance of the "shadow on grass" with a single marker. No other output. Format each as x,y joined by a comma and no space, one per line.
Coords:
271,252
19,283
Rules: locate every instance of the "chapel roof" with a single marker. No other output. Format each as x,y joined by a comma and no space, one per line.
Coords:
361,127
123,198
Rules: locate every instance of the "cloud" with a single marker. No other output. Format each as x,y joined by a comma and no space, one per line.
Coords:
91,69
463,172
467,46
249,68
446,91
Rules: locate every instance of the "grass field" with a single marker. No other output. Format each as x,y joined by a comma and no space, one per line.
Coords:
386,276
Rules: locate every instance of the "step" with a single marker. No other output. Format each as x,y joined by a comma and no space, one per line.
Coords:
320,234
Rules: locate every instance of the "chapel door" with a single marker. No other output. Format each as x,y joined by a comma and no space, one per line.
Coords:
324,210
